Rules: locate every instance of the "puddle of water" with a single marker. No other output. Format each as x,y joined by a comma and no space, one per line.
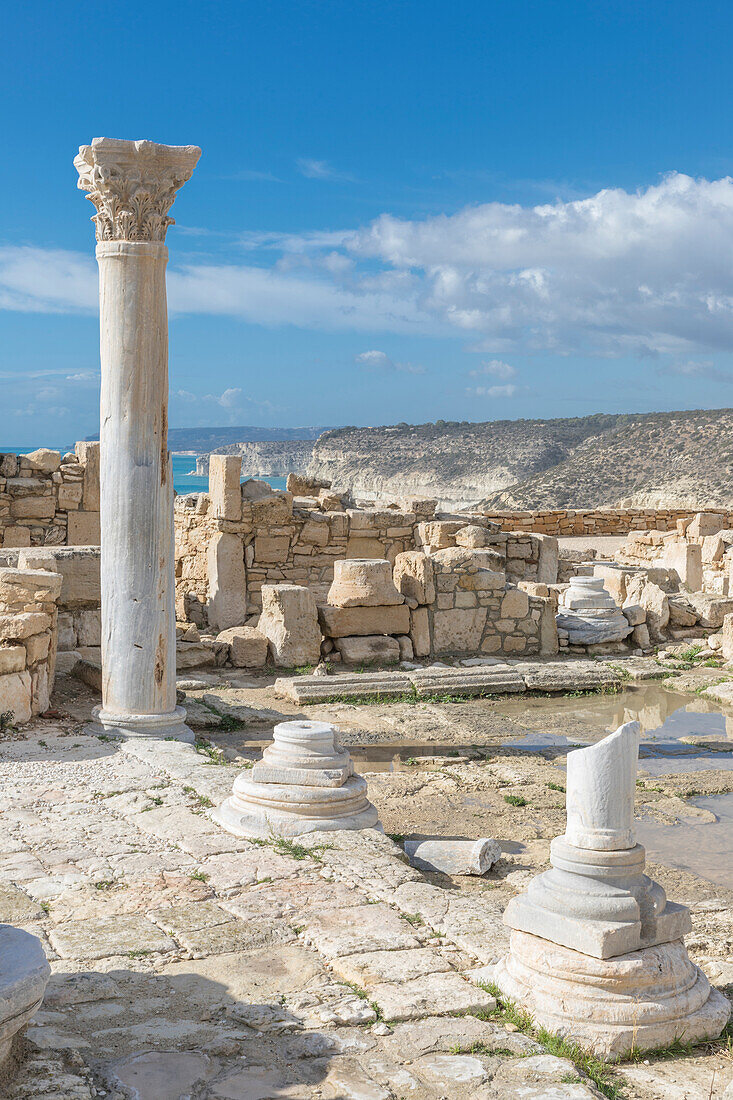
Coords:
704,849
682,765
393,758
666,718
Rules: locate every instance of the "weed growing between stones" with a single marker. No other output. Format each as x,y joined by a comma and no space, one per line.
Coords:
715,683
199,799
595,1069
205,748
515,800
7,721
228,724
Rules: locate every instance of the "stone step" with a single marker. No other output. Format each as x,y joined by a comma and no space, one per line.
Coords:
554,676
467,681
319,689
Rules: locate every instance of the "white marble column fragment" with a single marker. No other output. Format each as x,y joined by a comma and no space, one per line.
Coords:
133,185
596,950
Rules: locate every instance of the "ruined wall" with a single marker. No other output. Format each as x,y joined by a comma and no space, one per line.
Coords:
612,521
233,540
49,499
28,637
468,605
79,600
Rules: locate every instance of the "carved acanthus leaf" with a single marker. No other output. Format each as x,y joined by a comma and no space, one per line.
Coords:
133,185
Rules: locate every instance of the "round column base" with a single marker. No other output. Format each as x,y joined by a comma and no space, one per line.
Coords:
162,727
262,823
24,973
637,1001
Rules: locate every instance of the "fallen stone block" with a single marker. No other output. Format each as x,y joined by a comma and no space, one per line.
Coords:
340,622
368,649
290,622
247,646
89,672
193,655
454,857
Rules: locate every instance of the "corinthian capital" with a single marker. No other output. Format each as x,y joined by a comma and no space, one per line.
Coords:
133,185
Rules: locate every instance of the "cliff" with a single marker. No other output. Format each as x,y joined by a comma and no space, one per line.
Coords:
270,458
460,463
678,459
658,460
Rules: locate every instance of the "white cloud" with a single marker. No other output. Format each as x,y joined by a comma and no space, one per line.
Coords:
39,280
233,398
380,360
496,367
697,369
492,391
319,170
619,273
642,272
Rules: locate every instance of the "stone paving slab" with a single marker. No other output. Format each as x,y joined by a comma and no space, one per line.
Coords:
431,994
291,898
98,938
444,1034
230,871
517,677
339,932
17,908
374,967
569,676
204,928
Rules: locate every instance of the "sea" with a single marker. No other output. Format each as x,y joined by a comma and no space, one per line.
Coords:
185,479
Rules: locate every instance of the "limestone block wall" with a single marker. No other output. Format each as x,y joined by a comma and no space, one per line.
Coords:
28,640
602,521
79,600
239,537
462,604
243,537
49,499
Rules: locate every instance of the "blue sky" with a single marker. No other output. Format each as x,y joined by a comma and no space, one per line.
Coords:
403,211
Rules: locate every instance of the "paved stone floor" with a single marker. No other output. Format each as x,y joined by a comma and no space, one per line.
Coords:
190,964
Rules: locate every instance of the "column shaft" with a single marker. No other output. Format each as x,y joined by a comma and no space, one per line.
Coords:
138,622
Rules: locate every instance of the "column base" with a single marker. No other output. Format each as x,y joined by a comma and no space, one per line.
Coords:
162,727
638,1001
24,974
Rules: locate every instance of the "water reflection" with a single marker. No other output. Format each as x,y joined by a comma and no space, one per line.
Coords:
704,849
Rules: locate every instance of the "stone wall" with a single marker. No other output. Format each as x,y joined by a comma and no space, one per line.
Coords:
49,499
239,537
78,603
468,605
602,521
28,639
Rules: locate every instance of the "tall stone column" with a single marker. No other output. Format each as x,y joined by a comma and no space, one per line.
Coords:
133,185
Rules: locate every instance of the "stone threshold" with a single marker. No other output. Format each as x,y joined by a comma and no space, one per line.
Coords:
425,683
